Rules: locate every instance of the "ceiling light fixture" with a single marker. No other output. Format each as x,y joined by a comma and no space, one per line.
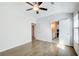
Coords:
36,7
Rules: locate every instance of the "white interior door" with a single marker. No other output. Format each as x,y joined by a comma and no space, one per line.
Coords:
65,32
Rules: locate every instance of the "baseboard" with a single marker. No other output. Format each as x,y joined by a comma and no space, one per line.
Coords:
45,40
14,46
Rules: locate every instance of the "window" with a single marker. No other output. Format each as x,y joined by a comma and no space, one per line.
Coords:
76,28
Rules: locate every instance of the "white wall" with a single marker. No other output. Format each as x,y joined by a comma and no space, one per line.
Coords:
43,30
76,30
44,26
15,26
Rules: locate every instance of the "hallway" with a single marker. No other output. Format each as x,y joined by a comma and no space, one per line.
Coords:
39,48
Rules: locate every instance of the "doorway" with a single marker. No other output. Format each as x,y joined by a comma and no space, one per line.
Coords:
33,31
55,31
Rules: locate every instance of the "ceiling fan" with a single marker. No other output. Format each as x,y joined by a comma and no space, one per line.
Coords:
36,7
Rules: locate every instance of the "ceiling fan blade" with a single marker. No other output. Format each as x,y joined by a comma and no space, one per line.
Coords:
29,9
37,12
29,3
39,3
43,8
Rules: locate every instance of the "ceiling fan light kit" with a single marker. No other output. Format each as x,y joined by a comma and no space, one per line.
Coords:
36,7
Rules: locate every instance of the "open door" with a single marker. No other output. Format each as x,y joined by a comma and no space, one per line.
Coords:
33,31
65,32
